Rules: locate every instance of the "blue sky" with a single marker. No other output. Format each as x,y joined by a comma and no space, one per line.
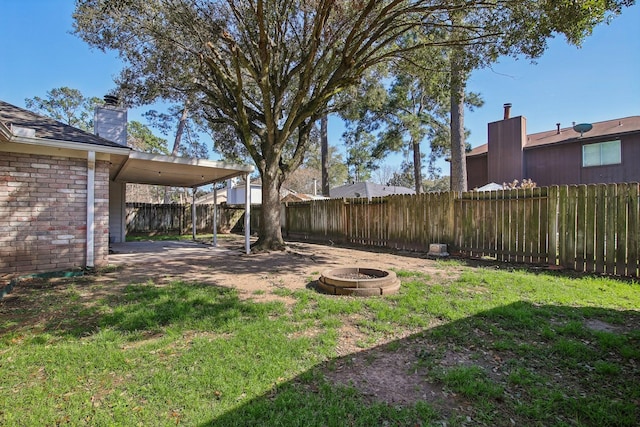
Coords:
599,81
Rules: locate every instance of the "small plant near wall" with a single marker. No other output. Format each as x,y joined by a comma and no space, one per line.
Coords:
515,184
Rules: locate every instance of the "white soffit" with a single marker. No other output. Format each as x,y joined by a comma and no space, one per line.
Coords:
157,169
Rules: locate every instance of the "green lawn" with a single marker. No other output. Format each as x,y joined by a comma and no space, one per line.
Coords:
504,347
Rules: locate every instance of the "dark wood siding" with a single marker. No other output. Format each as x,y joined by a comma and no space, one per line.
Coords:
477,171
554,164
561,164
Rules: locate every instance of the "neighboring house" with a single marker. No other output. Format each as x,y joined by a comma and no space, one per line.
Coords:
62,190
236,195
367,190
607,153
233,194
293,196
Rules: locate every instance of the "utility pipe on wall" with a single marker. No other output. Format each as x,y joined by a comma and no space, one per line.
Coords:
91,226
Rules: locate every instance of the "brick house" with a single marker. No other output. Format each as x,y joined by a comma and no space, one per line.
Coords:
607,153
62,190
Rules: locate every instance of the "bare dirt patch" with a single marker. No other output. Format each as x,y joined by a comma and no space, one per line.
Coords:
257,275
382,375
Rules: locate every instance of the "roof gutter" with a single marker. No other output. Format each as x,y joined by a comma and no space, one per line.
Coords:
585,139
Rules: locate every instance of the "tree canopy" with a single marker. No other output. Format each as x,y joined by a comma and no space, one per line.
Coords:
66,105
262,72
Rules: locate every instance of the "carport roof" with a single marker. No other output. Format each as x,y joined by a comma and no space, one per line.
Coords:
157,169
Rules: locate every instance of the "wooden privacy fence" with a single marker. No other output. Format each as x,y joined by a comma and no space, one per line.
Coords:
143,218
593,228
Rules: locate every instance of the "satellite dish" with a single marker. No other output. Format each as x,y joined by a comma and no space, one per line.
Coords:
583,128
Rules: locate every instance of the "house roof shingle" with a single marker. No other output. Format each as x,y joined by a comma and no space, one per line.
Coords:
47,128
610,127
368,190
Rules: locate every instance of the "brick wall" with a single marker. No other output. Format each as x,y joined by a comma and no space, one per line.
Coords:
43,213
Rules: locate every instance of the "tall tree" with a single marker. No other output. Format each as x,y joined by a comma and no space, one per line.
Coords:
361,108
140,137
336,167
324,151
511,28
412,109
66,105
265,70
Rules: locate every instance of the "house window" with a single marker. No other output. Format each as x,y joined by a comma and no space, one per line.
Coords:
602,153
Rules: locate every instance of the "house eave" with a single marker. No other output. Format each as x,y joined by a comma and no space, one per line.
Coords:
9,136
67,145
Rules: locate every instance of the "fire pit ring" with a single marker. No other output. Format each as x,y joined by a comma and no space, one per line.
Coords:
358,281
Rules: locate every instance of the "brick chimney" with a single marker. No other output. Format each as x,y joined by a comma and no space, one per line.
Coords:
110,121
507,111
507,137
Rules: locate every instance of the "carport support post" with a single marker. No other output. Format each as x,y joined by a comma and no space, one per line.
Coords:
247,213
215,216
193,213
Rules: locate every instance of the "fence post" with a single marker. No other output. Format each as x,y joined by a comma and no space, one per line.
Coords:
553,225
634,230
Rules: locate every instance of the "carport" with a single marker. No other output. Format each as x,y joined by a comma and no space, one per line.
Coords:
157,169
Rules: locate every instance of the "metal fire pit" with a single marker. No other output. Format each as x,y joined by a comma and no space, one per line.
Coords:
359,281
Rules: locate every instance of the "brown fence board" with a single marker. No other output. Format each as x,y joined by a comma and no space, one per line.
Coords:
511,225
610,229
621,229
533,230
563,208
600,227
633,231
500,225
589,228
570,227
543,230
553,221
580,229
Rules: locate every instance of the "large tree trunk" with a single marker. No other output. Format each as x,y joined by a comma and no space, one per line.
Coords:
181,125
458,145
417,166
324,154
270,236
176,142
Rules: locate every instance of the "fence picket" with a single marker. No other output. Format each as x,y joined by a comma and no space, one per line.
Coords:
501,227
610,229
533,231
601,212
621,229
633,232
580,229
590,227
